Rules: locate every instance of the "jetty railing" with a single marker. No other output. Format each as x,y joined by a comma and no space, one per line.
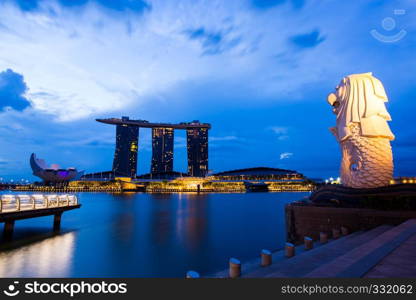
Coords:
16,203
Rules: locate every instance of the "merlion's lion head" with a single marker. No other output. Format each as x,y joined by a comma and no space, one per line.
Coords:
359,98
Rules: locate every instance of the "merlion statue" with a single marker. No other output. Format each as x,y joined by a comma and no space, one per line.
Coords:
362,131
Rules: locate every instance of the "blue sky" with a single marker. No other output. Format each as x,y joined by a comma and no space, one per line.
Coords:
257,70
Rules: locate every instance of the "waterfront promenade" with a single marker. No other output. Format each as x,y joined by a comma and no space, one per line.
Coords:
159,186
66,189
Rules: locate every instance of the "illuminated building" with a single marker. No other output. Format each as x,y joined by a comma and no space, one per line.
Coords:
242,180
259,173
53,173
125,156
162,150
403,180
197,143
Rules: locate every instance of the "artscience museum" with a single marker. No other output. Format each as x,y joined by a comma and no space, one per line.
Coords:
53,173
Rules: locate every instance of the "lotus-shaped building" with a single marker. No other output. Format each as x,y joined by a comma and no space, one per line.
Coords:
54,173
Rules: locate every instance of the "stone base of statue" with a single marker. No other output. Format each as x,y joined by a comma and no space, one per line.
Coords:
334,206
392,197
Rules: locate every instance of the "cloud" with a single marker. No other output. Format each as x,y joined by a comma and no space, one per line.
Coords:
286,155
175,61
212,42
281,132
119,5
307,40
84,61
12,91
80,63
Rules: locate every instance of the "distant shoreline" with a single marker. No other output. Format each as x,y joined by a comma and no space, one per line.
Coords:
44,189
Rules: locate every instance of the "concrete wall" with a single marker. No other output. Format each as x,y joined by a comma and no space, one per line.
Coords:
308,220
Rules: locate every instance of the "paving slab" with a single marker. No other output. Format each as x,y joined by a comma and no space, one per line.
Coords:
399,263
360,260
309,260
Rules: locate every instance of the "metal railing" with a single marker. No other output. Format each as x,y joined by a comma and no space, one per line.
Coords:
14,203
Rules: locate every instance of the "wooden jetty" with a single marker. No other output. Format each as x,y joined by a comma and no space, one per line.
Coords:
18,207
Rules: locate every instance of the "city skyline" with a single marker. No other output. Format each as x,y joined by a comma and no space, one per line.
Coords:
258,71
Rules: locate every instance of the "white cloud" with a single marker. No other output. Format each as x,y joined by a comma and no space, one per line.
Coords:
83,62
79,63
286,155
281,132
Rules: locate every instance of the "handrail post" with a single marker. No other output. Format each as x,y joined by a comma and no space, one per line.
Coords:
17,203
47,200
33,202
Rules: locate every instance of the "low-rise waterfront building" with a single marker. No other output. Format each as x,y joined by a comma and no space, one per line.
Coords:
258,173
52,174
403,180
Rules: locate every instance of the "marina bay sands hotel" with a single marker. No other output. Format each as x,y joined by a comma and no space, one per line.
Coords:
127,134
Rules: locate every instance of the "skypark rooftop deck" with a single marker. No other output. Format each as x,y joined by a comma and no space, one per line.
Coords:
147,124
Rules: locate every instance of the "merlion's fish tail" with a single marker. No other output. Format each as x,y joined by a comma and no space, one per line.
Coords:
367,162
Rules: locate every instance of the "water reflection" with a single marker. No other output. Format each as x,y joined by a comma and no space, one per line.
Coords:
51,257
124,220
149,235
191,219
161,218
